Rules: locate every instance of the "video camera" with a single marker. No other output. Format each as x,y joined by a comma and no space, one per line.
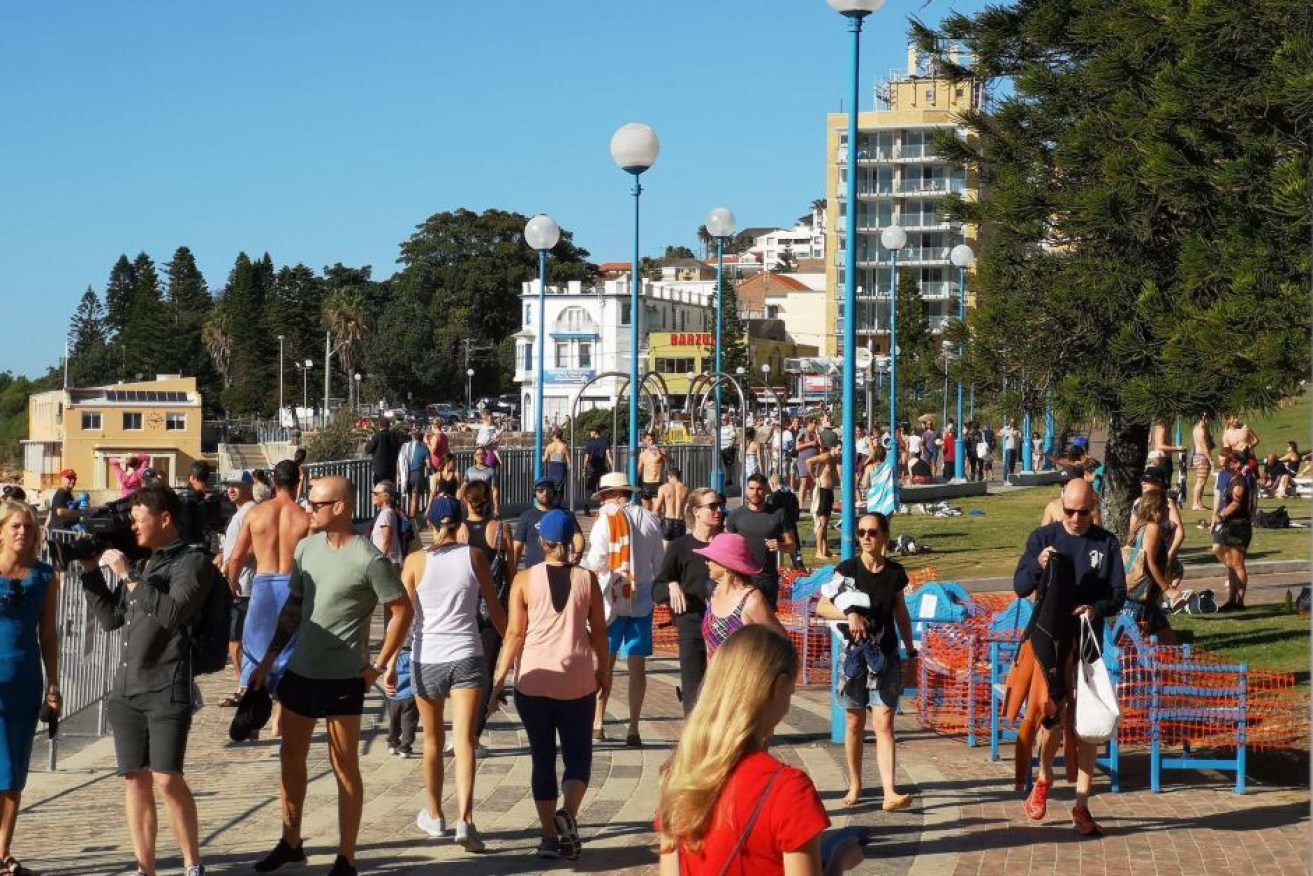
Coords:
109,526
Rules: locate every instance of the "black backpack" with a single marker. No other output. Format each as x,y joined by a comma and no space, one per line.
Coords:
501,576
208,636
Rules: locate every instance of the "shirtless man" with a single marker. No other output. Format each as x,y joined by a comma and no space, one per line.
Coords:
271,531
1202,439
1053,512
672,505
651,471
1160,443
824,467
1239,437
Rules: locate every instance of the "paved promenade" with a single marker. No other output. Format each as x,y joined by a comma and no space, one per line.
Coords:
967,819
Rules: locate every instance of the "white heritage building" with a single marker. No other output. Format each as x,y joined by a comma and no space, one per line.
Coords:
588,335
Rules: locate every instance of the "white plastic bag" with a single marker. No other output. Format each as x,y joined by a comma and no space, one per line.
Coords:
1097,712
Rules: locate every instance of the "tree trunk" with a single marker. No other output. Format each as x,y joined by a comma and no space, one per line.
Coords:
1123,462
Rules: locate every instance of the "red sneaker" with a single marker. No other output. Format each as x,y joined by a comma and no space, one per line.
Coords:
1085,823
1037,803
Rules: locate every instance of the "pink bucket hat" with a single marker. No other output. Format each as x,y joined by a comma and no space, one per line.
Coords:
731,550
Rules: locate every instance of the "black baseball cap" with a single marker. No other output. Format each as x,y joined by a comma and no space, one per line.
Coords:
1154,475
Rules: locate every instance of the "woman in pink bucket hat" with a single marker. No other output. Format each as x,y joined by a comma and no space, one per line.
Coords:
735,603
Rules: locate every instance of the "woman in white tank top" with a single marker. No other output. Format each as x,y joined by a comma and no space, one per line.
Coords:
445,583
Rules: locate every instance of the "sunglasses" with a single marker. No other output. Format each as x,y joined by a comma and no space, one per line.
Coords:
869,533
1076,512
315,506
713,506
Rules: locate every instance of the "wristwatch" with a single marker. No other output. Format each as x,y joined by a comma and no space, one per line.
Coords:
380,669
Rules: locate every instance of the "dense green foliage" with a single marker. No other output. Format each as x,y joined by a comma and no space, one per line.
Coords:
1148,210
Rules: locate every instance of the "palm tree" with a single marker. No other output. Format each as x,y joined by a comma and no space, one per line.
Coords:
705,240
216,335
346,317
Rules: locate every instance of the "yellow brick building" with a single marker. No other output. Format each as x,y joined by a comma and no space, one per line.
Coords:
84,428
900,181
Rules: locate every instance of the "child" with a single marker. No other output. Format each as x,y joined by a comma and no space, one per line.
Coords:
403,713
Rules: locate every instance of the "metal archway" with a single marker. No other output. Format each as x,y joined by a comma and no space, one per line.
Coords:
714,380
621,389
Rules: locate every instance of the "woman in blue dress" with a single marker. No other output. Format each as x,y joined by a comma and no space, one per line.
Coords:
29,600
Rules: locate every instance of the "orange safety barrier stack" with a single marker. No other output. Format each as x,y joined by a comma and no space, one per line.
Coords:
917,577
954,695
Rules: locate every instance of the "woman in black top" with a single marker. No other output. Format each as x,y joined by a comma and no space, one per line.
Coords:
446,481
882,582
492,537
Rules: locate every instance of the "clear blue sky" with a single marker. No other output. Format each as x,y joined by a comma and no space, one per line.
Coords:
325,131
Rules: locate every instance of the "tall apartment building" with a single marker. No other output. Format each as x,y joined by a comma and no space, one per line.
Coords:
900,181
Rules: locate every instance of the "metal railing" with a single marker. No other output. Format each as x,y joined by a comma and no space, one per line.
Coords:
86,651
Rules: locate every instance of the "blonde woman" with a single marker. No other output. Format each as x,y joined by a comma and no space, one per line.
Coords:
29,601
445,583
726,804
735,602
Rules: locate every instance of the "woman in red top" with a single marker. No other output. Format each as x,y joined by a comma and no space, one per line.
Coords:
727,806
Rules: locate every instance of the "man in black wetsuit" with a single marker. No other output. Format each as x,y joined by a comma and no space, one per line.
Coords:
1099,582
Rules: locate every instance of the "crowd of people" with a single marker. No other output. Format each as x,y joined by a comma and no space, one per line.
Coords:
473,605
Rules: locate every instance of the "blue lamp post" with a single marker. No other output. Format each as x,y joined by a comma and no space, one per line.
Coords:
720,225
893,239
961,256
634,148
541,233
855,11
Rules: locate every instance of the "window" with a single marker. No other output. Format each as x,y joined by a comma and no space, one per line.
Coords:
624,312
132,422
528,356
528,314
90,420
585,355
562,354
175,422
674,366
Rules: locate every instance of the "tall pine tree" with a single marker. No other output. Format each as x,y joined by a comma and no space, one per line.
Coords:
118,302
146,335
88,348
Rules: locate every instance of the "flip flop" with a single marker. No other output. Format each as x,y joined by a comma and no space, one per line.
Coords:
13,868
232,701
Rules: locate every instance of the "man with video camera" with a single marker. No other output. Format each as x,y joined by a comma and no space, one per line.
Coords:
152,701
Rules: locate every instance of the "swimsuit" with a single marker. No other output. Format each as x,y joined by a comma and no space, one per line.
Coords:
715,630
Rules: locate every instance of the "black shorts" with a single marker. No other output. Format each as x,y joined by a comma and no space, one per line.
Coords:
150,732
237,618
593,479
1234,533
649,489
824,501
322,697
672,528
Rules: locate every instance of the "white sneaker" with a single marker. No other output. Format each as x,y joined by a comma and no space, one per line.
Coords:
434,827
392,750
467,837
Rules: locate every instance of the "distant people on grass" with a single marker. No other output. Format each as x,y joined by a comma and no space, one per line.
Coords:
446,583
726,804
866,593
878,482
29,641
1233,526
1201,437
557,637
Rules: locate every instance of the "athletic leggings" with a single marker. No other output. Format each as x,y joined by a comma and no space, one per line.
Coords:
544,718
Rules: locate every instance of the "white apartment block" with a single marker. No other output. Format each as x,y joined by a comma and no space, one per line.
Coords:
805,240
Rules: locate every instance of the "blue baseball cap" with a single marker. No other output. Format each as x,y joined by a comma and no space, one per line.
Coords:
544,482
444,511
1081,441
557,527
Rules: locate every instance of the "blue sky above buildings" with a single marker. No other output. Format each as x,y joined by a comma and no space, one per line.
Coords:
325,131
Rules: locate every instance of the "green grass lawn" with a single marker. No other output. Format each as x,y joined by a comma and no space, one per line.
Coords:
1291,421
987,546
1264,636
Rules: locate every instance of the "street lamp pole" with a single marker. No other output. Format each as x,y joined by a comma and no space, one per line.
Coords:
962,256
720,224
280,380
855,11
541,233
355,404
469,380
634,148
305,385
893,238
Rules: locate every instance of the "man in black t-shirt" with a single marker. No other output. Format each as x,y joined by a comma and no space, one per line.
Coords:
63,510
528,551
384,445
783,499
597,455
766,533
684,583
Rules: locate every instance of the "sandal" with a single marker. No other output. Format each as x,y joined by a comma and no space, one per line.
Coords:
13,868
232,701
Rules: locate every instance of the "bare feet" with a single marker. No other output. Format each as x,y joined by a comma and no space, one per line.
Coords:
896,802
854,796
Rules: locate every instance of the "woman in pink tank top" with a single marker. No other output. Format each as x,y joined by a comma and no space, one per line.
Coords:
556,639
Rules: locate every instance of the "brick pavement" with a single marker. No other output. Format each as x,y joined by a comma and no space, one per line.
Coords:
967,821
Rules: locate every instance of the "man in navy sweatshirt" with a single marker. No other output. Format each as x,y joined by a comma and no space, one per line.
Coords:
1099,583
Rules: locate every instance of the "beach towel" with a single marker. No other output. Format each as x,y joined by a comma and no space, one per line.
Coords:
268,596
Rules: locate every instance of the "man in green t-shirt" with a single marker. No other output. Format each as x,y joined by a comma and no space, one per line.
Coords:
338,578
